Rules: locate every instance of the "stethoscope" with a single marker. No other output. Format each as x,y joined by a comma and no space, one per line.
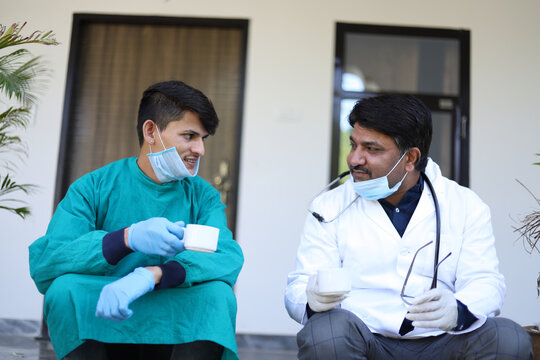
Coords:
322,220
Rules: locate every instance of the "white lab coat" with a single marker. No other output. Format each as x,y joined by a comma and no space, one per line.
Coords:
364,241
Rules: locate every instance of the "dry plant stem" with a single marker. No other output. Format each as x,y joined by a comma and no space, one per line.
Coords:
530,228
530,232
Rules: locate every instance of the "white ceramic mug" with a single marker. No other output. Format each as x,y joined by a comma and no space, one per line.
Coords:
201,238
333,281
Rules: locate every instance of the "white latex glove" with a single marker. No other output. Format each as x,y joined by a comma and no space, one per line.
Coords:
435,309
319,302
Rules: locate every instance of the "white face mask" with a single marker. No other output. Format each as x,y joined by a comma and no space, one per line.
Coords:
375,189
168,166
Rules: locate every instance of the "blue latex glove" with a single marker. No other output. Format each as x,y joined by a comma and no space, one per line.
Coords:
115,297
157,236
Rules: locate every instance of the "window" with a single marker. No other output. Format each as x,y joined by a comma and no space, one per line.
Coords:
432,64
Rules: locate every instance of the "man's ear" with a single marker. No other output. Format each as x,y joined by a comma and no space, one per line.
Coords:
412,158
149,131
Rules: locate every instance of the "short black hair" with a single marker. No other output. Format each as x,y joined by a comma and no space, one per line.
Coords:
168,100
404,118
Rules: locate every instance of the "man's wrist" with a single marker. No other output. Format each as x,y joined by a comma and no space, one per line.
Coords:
114,247
465,318
173,275
126,238
156,272
309,311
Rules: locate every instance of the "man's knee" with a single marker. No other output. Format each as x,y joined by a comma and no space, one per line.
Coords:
513,338
330,335
217,291
59,295
322,325
505,338
61,285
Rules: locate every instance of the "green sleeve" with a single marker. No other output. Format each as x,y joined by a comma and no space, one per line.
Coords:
226,262
72,244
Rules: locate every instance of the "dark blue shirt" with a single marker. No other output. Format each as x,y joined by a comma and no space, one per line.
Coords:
401,214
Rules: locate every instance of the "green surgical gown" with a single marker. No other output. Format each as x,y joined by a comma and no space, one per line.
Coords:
68,266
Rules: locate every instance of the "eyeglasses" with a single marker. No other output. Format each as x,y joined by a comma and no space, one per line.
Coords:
434,282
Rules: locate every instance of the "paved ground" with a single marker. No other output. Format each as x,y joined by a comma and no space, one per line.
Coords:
14,347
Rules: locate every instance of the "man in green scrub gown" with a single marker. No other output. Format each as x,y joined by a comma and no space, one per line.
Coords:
117,280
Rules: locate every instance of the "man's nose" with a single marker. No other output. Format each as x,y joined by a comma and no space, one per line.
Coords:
357,157
198,147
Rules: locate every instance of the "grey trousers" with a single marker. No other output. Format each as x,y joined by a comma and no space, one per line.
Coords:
95,350
340,335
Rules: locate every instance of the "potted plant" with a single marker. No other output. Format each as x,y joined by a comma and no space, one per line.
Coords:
529,232
19,72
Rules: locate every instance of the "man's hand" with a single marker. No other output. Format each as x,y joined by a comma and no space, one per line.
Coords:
319,302
436,308
114,300
156,236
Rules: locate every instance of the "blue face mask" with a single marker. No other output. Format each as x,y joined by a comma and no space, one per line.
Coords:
375,189
168,166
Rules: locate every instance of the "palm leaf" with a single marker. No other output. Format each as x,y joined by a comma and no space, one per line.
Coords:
11,36
9,120
8,186
14,118
22,211
19,72
18,76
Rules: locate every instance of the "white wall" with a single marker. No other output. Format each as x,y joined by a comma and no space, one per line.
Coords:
285,159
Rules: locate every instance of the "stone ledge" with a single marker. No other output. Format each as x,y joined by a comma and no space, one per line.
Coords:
20,327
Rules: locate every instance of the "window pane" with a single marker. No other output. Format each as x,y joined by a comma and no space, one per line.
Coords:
441,144
392,63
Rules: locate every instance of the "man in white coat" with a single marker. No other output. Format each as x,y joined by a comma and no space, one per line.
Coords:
412,296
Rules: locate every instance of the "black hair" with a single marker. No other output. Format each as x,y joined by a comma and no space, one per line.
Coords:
404,118
167,101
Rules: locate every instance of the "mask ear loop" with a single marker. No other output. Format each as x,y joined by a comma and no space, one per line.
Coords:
401,158
164,148
406,173
159,135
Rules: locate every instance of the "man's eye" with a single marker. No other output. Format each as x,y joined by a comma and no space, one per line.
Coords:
188,136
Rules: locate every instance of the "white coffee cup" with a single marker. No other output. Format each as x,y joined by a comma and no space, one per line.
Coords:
333,281
201,238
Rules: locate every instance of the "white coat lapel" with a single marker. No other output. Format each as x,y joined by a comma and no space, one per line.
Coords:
424,209
375,212
425,206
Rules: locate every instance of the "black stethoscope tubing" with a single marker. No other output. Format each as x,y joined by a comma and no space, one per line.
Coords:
437,229
321,219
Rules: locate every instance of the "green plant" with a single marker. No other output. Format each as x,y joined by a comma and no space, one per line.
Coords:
19,73
529,228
